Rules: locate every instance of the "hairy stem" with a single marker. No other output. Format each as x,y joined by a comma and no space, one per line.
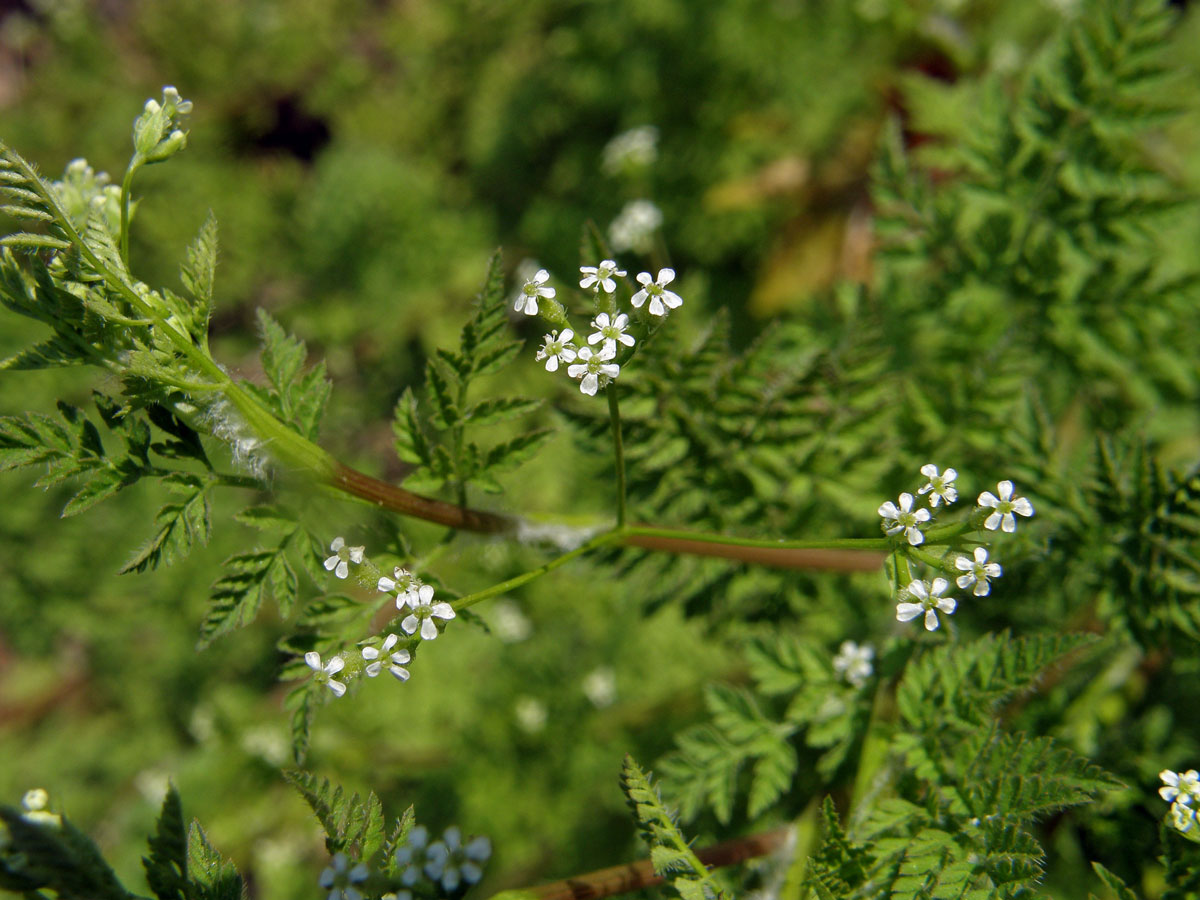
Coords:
126,190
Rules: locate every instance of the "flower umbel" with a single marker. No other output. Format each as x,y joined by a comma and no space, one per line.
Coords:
977,572
592,366
557,348
408,587
655,290
904,518
611,331
398,659
601,277
341,553
535,287
339,878
411,855
940,486
452,863
854,662
326,672
930,601
424,611
1004,505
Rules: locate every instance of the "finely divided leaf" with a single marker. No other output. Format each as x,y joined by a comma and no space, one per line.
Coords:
166,866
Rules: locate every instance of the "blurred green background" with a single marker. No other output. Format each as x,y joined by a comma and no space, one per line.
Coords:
363,159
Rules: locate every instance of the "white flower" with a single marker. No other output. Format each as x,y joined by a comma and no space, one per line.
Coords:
941,485
600,686
35,802
904,518
601,276
854,662
634,226
337,563
594,365
632,149
325,673
931,600
412,855
978,572
1004,505
557,347
409,588
339,878
1179,787
530,714
610,331
424,611
399,659
535,287
452,863
655,290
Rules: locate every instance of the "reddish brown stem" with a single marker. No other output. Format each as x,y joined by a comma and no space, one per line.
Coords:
397,499
635,876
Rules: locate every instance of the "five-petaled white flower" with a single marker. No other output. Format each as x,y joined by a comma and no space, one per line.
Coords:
941,485
610,331
411,855
408,587
655,291
337,563
930,601
423,614
325,673
977,572
1004,505
904,518
592,366
339,878
854,662
398,659
557,347
452,863
535,287
601,276
1179,787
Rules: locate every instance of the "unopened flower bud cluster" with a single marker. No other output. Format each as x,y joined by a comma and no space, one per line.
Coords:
595,363
927,598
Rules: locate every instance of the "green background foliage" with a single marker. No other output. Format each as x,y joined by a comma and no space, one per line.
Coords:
982,241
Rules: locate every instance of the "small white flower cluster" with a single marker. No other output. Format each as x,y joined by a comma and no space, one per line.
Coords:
448,861
928,598
609,331
854,662
1181,790
340,877
634,226
634,149
418,596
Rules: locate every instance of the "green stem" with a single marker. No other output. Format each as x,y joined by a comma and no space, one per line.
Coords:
614,414
608,537
636,531
126,190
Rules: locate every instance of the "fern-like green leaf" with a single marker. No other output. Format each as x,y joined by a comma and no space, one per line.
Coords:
352,824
